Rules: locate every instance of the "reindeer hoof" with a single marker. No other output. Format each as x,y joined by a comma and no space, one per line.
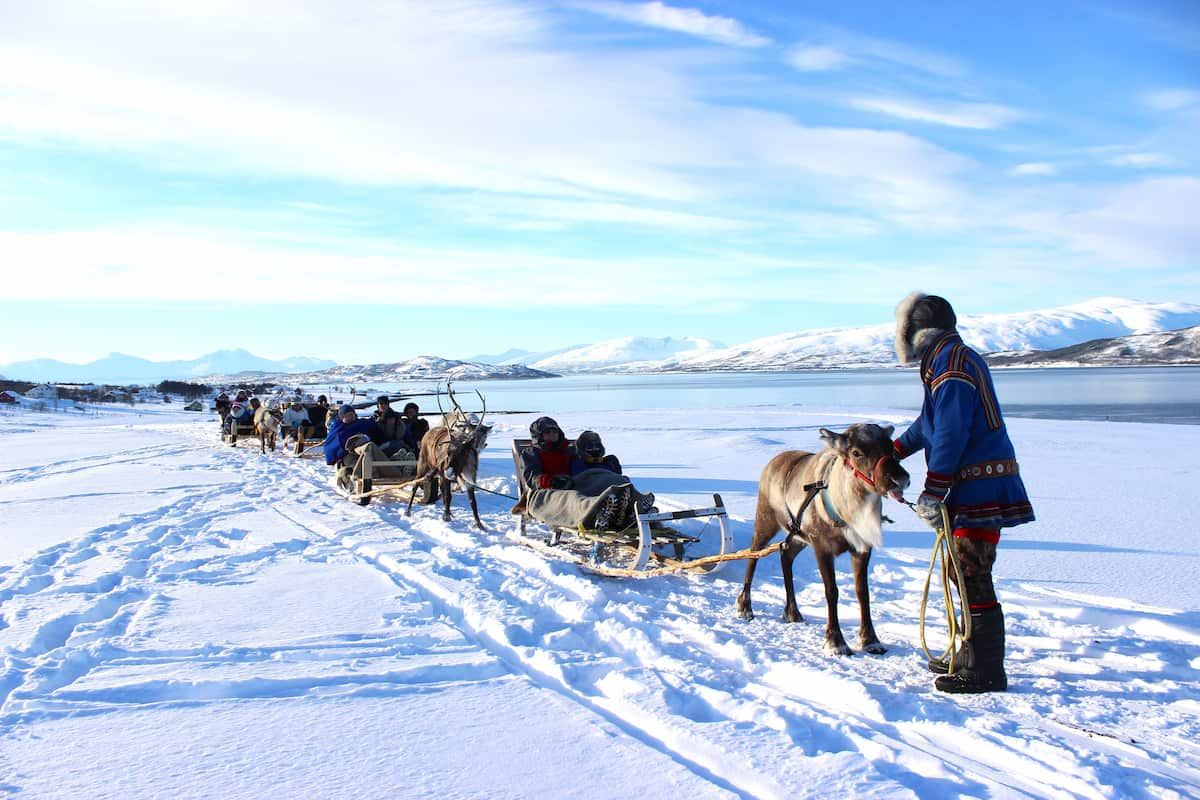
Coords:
874,648
792,615
838,649
746,614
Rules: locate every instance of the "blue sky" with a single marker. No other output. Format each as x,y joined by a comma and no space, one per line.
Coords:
370,181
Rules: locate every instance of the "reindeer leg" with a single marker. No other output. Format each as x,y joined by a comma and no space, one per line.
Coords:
835,643
743,599
446,491
474,507
867,640
412,495
764,528
787,559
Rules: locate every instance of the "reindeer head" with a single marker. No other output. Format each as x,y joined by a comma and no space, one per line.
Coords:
465,435
867,449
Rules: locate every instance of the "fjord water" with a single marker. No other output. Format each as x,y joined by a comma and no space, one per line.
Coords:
1129,394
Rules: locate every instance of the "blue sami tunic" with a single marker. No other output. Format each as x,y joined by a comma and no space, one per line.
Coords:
971,461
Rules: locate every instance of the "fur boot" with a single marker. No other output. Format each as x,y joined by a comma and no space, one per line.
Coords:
981,668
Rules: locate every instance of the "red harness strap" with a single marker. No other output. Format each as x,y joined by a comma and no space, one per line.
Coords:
872,479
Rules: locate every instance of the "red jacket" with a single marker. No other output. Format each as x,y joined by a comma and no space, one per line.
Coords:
540,464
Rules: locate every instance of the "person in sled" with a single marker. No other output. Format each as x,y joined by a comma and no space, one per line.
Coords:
417,427
295,418
597,499
348,436
972,472
241,413
590,454
394,427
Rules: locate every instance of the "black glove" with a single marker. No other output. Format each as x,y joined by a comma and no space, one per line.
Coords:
561,482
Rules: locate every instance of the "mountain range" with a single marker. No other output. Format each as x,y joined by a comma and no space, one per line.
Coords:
118,368
873,346
1048,336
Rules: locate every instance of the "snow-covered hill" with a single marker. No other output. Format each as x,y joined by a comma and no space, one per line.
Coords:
1024,331
629,353
1170,348
119,368
414,369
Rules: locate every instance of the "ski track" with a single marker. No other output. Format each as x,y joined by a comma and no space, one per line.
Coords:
664,659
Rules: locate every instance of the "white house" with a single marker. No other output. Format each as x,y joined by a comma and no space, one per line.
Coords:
46,391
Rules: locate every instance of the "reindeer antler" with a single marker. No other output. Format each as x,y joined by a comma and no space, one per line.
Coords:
438,389
483,413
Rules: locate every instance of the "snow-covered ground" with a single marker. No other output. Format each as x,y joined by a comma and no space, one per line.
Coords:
181,619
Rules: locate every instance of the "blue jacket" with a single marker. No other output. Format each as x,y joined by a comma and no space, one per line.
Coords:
969,455
335,442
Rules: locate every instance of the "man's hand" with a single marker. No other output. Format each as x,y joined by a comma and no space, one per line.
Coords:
561,482
929,508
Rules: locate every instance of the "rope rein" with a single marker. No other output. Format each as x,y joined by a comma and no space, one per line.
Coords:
958,621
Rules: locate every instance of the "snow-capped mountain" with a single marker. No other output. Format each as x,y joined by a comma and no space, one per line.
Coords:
873,345
421,368
118,368
629,353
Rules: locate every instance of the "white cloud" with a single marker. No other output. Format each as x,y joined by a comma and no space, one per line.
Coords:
461,95
1147,224
1140,160
1034,168
196,266
1171,99
980,116
812,58
693,22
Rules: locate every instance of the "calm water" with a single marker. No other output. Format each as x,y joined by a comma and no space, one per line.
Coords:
1151,394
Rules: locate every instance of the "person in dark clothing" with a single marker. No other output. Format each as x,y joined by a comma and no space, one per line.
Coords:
346,425
590,454
417,427
972,473
394,427
318,417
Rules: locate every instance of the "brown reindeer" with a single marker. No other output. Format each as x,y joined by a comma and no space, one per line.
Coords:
450,454
857,468
267,423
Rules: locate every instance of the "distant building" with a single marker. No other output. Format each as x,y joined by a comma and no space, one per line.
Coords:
195,405
5,397
46,391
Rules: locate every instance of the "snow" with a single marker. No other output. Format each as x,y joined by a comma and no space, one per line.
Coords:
183,619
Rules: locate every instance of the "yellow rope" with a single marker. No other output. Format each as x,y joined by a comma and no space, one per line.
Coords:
958,630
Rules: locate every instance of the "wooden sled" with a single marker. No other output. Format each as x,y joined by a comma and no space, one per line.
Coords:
371,476
236,431
646,540
307,443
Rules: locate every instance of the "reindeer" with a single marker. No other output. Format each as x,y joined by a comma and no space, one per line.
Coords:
857,468
450,452
267,423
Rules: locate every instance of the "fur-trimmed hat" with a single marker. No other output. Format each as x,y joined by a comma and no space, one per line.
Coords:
917,313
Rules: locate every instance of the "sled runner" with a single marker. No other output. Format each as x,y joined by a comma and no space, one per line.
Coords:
646,538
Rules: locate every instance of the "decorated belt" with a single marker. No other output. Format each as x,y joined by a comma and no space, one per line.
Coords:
988,469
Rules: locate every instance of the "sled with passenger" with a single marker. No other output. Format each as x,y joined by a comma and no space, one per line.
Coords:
645,545
374,472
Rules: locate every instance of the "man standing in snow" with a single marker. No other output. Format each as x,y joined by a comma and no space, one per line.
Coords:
972,471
